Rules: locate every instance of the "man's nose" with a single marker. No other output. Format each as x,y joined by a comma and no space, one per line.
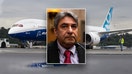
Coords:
70,29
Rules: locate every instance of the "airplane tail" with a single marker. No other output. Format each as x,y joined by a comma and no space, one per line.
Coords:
108,19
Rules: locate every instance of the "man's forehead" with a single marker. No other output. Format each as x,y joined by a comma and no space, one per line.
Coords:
67,20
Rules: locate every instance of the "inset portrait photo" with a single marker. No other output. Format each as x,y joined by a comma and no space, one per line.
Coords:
66,36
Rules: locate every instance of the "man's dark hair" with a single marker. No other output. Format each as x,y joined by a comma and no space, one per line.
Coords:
61,15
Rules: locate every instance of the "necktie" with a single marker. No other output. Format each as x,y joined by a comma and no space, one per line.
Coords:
67,54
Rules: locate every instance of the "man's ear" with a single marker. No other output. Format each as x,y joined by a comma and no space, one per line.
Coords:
55,31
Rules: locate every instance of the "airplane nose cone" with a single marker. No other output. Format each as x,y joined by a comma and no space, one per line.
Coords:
11,33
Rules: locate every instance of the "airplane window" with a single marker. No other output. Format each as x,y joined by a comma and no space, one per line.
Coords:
17,25
20,25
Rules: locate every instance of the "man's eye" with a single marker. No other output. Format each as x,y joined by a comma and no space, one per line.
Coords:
74,26
64,25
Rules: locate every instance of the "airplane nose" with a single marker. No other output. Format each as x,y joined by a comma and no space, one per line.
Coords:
11,33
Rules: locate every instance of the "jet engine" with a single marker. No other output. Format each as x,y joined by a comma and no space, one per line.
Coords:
92,39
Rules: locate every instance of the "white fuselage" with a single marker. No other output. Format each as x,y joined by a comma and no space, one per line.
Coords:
28,29
94,29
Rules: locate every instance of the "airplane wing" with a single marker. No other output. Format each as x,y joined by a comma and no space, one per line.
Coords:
116,31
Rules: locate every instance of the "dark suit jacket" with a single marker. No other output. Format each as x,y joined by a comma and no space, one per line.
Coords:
53,53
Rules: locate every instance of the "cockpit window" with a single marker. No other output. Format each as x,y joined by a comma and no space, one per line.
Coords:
17,25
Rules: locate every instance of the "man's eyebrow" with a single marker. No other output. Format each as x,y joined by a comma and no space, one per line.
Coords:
74,24
64,23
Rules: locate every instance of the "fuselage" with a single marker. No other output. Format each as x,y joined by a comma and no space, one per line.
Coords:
29,29
94,29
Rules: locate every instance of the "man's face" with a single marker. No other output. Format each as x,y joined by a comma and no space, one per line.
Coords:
67,32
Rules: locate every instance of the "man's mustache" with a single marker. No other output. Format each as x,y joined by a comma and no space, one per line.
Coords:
70,37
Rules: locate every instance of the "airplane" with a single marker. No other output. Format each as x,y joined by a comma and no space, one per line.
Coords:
95,34
29,30
35,30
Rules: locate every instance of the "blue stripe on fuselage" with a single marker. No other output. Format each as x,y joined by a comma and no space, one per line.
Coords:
37,35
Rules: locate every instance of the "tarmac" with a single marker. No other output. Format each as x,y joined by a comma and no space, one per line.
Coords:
32,61
22,50
88,51
109,51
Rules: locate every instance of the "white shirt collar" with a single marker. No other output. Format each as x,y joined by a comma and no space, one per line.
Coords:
62,49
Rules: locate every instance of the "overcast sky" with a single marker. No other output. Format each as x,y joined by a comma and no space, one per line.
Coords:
14,10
